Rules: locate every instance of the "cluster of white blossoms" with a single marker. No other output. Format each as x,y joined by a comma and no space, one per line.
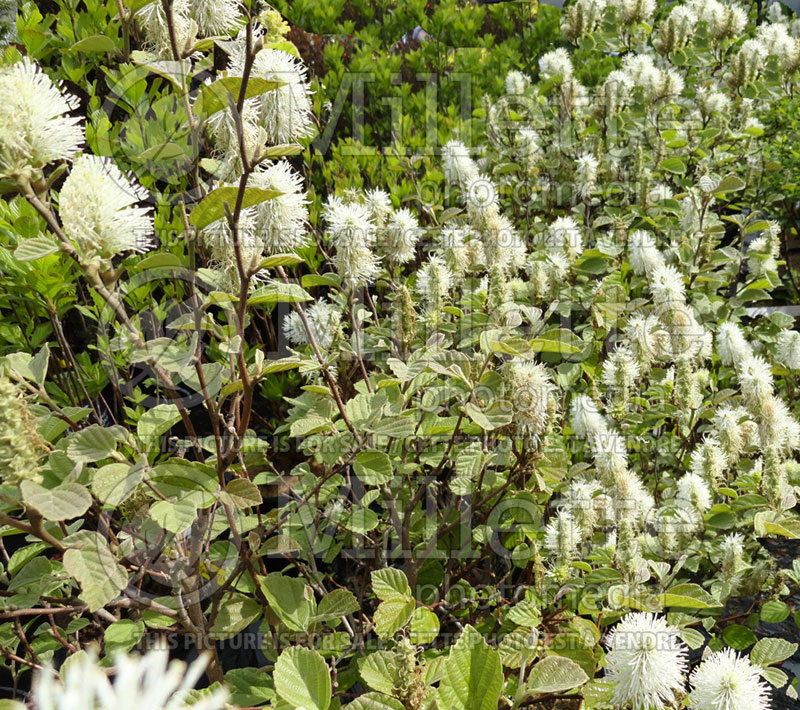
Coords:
148,681
190,19
531,390
98,212
36,129
324,321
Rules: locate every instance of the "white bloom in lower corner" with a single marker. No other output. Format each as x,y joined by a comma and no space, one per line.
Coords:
96,205
647,661
147,681
727,681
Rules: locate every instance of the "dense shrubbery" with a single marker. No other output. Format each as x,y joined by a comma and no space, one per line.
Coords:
474,427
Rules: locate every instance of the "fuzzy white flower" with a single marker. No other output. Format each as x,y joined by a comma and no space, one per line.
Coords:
616,91
610,454
562,536
556,65
668,288
285,112
96,204
218,239
647,661
643,253
352,232
648,339
459,168
580,501
620,371
153,21
35,129
280,221
727,681
693,488
586,174
434,281
732,347
729,430
585,417
564,235
215,17
517,82
148,681
712,101
630,11
531,388
528,147
399,239
789,349
379,204
323,319
755,378
676,30
708,460
581,18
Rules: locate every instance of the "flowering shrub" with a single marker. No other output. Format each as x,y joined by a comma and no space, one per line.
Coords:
525,433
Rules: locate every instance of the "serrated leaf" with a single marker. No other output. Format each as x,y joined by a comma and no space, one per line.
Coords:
689,596
174,516
770,651
302,679
66,501
424,627
277,292
35,248
555,674
379,670
392,615
373,467
242,493
218,95
115,482
374,701
517,646
91,444
336,604
390,583
235,614
287,597
96,570
472,676
156,421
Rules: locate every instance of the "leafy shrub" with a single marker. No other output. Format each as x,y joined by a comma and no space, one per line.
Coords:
504,430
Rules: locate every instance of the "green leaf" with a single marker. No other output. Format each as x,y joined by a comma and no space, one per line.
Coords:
674,165
211,207
36,248
424,626
217,96
336,604
730,183
392,615
555,674
689,596
122,635
114,483
287,597
373,701
379,671
776,677
773,612
66,501
390,583
91,444
397,427
496,415
235,615
518,646
302,679
309,425
155,422
373,467
94,567
770,651
241,493
271,262
738,636
174,516
277,292
96,43
472,677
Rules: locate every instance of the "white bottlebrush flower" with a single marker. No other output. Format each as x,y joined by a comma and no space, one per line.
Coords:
528,147
148,681
215,17
616,91
281,221
647,661
434,281
399,239
585,417
668,288
556,65
762,256
728,430
676,30
323,319
580,501
610,455
693,488
642,71
223,130
285,112
648,338
581,18
586,175
643,253
727,681
777,426
502,243
755,378
712,101
96,204
153,21
631,11
454,251
620,372
517,83
789,349
708,460
459,168
531,389
379,204
564,235
732,346
352,232
732,547
219,243
35,129
631,499
562,536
